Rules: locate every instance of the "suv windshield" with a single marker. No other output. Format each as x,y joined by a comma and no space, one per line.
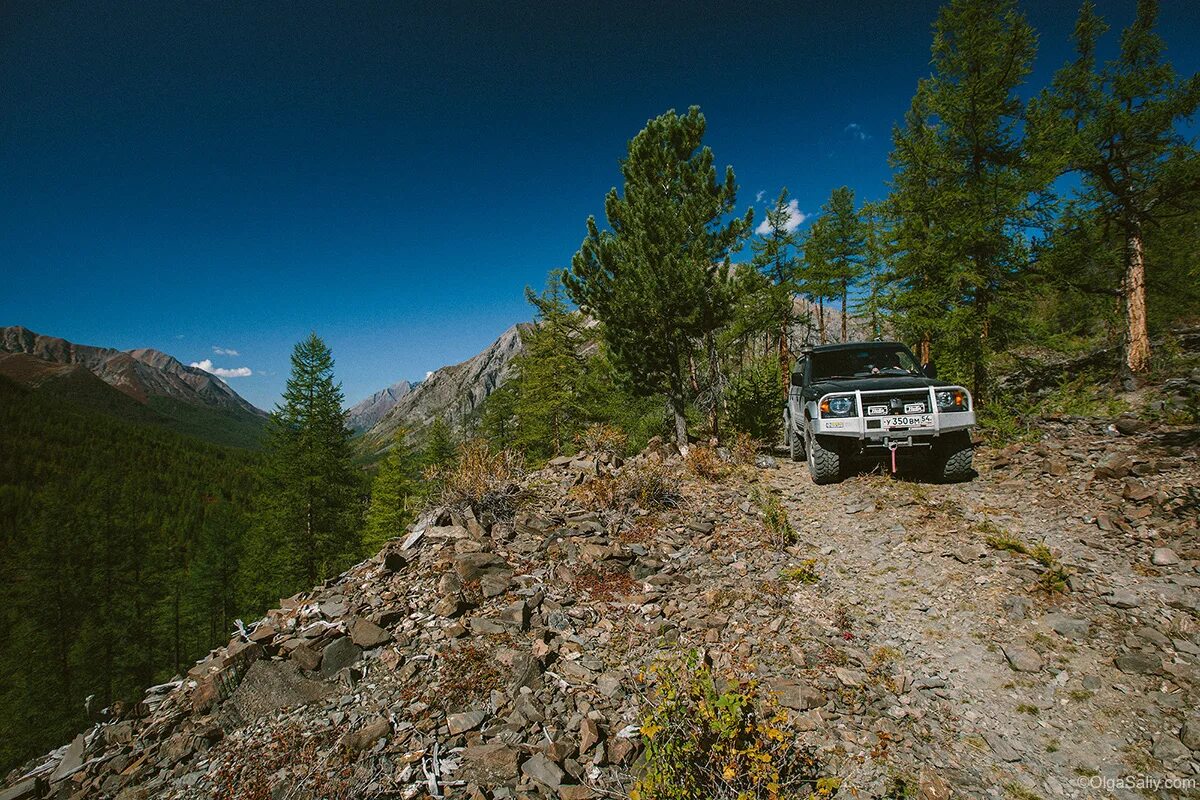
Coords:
864,362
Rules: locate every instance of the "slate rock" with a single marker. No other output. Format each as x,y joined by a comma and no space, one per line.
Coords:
338,654
367,634
271,685
798,696
1167,749
1189,734
1139,663
1022,659
544,771
495,763
471,566
366,736
1070,627
1164,557
466,721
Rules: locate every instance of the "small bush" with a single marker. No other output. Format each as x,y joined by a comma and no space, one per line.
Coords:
648,485
806,573
744,448
1054,578
603,439
713,738
703,462
483,479
775,519
755,400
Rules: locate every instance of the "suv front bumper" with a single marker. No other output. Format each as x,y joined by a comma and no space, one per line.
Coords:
882,430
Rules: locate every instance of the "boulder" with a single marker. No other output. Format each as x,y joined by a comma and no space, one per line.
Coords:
338,654
367,634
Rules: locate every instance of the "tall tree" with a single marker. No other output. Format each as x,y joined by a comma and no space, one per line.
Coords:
775,257
308,526
871,305
549,374
440,447
394,493
1116,125
816,272
840,243
964,187
658,280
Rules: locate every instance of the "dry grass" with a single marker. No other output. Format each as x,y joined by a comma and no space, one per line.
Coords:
744,448
605,585
603,439
486,481
703,462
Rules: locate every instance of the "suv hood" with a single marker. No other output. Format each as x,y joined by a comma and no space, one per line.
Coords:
869,384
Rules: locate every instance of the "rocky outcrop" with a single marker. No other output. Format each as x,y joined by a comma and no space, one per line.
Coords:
915,638
454,392
140,374
365,414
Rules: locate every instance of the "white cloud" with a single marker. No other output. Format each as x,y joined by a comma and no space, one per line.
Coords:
225,351
236,372
758,198
427,374
795,219
856,131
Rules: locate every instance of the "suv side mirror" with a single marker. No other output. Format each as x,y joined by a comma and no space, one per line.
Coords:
930,370
797,379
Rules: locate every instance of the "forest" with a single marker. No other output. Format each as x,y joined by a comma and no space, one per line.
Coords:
1019,220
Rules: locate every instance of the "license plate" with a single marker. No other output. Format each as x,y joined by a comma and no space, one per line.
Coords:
913,421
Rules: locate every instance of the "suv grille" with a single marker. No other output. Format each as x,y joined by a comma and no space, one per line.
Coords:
899,402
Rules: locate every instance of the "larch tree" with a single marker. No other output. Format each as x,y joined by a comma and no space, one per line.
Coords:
840,242
964,188
775,258
1116,124
308,525
394,493
658,277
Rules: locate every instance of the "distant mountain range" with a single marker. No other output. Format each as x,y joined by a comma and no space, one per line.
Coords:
143,384
454,392
363,415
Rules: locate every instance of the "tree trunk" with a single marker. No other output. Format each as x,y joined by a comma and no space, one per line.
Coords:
821,319
785,356
1137,337
677,410
926,349
845,314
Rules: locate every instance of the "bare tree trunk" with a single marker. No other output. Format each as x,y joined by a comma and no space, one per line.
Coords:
1137,337
785,356
845,313
926,348
821,319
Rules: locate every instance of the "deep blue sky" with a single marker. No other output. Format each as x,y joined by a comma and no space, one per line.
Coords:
195,175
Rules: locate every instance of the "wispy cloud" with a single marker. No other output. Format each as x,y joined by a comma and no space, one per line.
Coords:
225,351
795,219
856,131
236,372
758,198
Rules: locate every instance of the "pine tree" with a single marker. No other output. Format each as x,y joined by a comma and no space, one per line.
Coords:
872,304
308,526
964,189
394,494
840,246
549,375
1115,125
775,257
440,449
658,280
816,272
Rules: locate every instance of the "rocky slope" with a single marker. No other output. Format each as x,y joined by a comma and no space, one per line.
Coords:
366,413
919,641
141,374
452,392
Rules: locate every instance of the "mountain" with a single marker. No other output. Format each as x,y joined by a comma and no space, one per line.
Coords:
453,392
363,415
143,385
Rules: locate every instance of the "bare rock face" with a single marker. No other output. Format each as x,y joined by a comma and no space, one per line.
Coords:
452,392
271,685
365,414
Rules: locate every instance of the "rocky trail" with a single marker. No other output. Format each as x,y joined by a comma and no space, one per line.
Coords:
922,640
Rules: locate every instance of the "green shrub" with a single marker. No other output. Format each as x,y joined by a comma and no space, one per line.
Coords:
754,400
707,737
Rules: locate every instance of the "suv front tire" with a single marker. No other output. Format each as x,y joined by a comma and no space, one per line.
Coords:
824,465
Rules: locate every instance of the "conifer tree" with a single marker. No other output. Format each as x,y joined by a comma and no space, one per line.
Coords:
964,189
658,279
549,373
1115,125
816,281
840,246
871,305
440,449
775,257
308,526
394,493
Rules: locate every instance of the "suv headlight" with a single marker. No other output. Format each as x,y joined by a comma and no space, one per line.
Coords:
837,407
951,400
